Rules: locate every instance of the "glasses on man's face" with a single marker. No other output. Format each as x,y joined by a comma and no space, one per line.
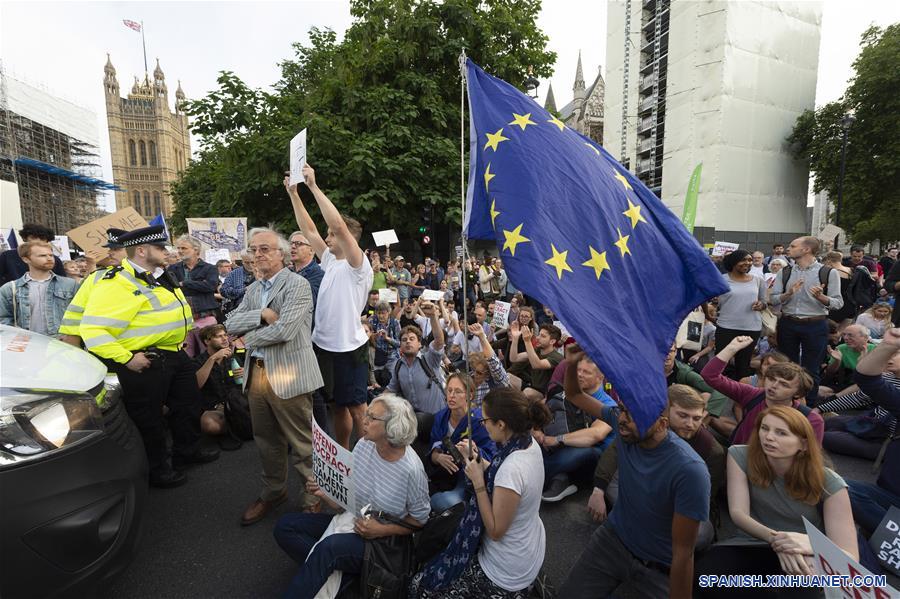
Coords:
297,244
262,249
370,416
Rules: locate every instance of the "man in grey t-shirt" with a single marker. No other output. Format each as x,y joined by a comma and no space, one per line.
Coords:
38,299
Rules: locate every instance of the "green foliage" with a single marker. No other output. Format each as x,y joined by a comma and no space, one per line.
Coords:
871,191
381,108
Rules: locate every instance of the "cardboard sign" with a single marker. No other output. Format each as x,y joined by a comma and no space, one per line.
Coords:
383,238
885,541
61,249
830,561
723,247
92,236
213,256
387,295
332,466
432,295
298,157
501,314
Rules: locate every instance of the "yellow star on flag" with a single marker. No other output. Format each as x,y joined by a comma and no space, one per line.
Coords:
494,212
488,175
591,146
513,238
623,179
522,120
622,243
558,261
494,139
597,262
558,123
634,213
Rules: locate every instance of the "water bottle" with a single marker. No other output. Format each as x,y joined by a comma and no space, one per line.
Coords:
238,380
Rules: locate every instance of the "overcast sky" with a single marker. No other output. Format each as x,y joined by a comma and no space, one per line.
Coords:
62,46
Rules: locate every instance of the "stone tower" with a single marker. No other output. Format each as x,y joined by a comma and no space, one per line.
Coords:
149,143
550,102
578,88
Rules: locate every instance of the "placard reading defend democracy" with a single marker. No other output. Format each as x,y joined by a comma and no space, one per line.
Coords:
332,465
885,541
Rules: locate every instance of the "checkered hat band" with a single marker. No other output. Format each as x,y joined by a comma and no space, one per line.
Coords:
156,238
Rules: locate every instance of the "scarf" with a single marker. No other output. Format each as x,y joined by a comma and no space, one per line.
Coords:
449,564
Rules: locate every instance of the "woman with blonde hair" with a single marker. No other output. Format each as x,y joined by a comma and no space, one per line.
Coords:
773,484
877,319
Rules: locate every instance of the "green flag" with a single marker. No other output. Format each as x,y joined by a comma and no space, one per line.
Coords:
690,199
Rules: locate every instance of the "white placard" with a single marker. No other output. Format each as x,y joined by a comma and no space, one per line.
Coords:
213,256
723,247
459,251
831,561
298,157
61,249
431,295
332,468
383,238
218,233
501,314
387,295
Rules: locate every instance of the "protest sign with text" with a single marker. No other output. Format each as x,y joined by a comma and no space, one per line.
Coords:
885,541
298,157
332,465
431,295
501,314
92,236
61,248
387,295
852,580
724,247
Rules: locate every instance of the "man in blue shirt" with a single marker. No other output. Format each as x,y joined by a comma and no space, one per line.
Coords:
646,547
305,265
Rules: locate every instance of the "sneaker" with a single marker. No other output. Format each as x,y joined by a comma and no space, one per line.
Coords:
560,488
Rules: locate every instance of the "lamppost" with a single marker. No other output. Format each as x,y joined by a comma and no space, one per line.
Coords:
846,122
531,85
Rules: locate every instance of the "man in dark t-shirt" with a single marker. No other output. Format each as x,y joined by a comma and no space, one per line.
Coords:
541,360
217,381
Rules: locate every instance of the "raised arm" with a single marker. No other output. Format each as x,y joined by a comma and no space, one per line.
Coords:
345,239
304,220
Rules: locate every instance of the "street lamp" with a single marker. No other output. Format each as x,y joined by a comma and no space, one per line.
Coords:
846,122
531,85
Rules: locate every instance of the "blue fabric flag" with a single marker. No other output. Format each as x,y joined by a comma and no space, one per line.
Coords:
158,220
579,233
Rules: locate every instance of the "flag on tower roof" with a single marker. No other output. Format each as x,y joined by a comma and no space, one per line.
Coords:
132,24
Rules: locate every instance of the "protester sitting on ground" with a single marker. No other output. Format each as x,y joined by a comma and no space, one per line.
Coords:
387,476
386,330
447,481
541,360
872,501
877,319
417,375
504,507
774,483
574,440
646,546
739,309
762,363
698,359
219,384
686,412
236,283
718,406
503,340
485,368
784,385
842,360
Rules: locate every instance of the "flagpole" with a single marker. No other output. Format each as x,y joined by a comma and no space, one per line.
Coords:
462,234
144,42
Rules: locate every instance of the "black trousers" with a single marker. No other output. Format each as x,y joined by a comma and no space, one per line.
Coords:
743,357
742,559
170,380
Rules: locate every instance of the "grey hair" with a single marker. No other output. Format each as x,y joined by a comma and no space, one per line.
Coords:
193,241
400,426
246,255
780,261
382,306
283,244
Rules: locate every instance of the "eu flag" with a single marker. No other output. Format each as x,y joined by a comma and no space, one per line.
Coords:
579,233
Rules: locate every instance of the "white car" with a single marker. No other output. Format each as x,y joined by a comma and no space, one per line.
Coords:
73,472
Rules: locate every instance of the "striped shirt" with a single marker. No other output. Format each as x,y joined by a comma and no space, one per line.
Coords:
399,488
858,399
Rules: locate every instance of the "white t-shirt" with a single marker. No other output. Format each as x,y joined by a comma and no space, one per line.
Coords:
342,295
514,561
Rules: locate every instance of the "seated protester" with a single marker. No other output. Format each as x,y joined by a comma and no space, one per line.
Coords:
217,382
541,361
502,340
843,359
386,331
465,342
481,317
757,379
784,385
773,484
417,375
678,372
871,502
371,307
502,510
646,546
685,414
447,481
388,476
485,368
877,319
573,442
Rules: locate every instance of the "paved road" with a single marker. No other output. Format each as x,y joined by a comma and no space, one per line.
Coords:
194,546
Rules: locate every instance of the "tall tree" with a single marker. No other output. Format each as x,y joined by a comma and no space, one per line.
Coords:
381,108
871,188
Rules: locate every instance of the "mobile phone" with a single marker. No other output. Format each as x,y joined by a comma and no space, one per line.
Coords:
454,452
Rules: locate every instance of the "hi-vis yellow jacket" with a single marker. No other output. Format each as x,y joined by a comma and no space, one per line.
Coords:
72,318
124,314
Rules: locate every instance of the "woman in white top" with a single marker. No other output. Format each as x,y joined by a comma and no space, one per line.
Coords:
876,319
503,505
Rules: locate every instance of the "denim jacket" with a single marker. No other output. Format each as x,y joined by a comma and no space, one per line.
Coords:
60,291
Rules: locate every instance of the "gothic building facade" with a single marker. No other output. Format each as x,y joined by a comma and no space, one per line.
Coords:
585,112
149,143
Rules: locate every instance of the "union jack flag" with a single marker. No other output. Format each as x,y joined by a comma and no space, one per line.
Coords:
132,24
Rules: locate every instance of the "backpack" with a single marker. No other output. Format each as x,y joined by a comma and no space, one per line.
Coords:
432,378
824,273
237,415
802,408
566,418
863,289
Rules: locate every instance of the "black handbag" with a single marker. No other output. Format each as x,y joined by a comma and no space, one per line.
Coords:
387,567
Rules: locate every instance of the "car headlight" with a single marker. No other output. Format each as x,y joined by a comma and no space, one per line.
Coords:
34,424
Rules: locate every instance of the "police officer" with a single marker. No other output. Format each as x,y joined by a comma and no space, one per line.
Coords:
68,328
136,323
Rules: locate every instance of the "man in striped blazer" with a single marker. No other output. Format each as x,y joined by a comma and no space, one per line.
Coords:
275,319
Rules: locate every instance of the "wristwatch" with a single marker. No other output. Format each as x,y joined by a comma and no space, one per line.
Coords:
560,439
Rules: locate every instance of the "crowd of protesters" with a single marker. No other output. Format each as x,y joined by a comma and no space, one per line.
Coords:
444,406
